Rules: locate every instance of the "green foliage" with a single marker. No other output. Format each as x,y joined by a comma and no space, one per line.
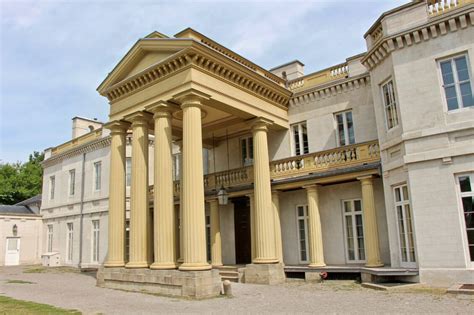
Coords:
20,181
13,306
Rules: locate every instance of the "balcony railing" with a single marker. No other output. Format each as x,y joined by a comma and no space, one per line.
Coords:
437,7
317,162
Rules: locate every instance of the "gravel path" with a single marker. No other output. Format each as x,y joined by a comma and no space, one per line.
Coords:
78,291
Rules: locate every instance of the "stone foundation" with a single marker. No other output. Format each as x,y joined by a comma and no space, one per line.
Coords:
189,284
264,273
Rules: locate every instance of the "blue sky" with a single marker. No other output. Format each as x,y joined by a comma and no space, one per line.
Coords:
54,54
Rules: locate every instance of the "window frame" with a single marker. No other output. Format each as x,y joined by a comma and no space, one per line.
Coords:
97,183
345,128
306,222
95,240
352,215
456,82
52,186
403,203
391,81
300,143
50,237
462,212
128,171
72,182
69,242
248,160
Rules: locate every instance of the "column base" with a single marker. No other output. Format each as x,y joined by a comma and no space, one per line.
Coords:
162,266
265,261
137,264
264,273
194,267
317,265
217,265
114,264
175,283
375,265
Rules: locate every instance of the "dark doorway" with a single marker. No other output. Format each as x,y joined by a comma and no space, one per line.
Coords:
243,246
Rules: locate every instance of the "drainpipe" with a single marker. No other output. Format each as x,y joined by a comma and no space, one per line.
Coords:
81,222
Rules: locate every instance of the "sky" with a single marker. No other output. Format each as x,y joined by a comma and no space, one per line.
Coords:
54,54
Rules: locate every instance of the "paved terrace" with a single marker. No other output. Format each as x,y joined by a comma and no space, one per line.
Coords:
78,291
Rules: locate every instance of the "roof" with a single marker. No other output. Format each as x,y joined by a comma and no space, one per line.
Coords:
286,64
16,210
29,201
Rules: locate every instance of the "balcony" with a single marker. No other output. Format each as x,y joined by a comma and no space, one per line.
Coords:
293,167
438,7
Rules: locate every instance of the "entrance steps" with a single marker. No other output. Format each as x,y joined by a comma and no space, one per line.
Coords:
231,273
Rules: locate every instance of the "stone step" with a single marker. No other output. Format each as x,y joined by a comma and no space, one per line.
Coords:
229,273
230,278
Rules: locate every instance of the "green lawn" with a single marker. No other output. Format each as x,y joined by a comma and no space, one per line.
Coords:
12,306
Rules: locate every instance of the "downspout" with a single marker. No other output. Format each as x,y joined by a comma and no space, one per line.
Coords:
81,222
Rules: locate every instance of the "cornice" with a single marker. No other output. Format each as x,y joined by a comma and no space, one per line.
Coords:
437,26
206,59
329,90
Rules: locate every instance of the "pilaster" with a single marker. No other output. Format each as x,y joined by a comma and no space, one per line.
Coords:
216,243
316,252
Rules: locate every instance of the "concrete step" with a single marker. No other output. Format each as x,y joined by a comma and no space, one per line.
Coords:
230,278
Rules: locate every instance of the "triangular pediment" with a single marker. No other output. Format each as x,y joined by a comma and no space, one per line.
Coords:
145,53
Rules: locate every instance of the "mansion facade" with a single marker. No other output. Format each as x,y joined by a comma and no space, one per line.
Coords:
209,160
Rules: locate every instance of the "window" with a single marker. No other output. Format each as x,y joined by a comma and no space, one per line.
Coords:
345,128
97,175
457,82
246,146
300,138
70,240
466,187
95,240
52,184
127,240
128,171
302,219
50,238
390,105
354,228
72,182
405,225
176,166
208,237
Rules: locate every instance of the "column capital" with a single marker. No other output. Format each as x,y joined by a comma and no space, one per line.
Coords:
312,187
161,109
117,126
191,98
260,123
139,118
366,179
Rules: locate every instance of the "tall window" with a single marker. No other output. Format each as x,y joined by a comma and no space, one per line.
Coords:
50,238
52,184
302,219
95,240
97,175
300,138
345,128
466,187
208,237
246,146
176,166
72,182
70,241
405,224
128,171
390,105
127,240
457,82
354,230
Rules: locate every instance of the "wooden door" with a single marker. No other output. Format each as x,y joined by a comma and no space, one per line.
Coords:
243,249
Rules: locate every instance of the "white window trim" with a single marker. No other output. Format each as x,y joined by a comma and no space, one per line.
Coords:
94,176
397,109
72,183
407,264
49,237
52,187
346,129
346,246
461,213
93,230
69,241
456,82
248,160
300,137
128,183
306,218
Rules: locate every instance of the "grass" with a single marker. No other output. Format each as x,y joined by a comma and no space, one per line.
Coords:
20,282
12,306
41,269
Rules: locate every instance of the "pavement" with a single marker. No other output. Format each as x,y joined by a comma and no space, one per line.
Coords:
73,290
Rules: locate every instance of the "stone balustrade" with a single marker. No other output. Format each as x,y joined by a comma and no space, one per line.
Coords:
327,75
346,156
437,7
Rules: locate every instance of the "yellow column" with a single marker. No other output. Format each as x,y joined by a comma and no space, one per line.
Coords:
194,224
316,254
264,220
252,225
216,243
371,235
164,215
116,240
276,215
139,210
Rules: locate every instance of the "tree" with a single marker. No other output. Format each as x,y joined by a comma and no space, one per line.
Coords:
20,181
